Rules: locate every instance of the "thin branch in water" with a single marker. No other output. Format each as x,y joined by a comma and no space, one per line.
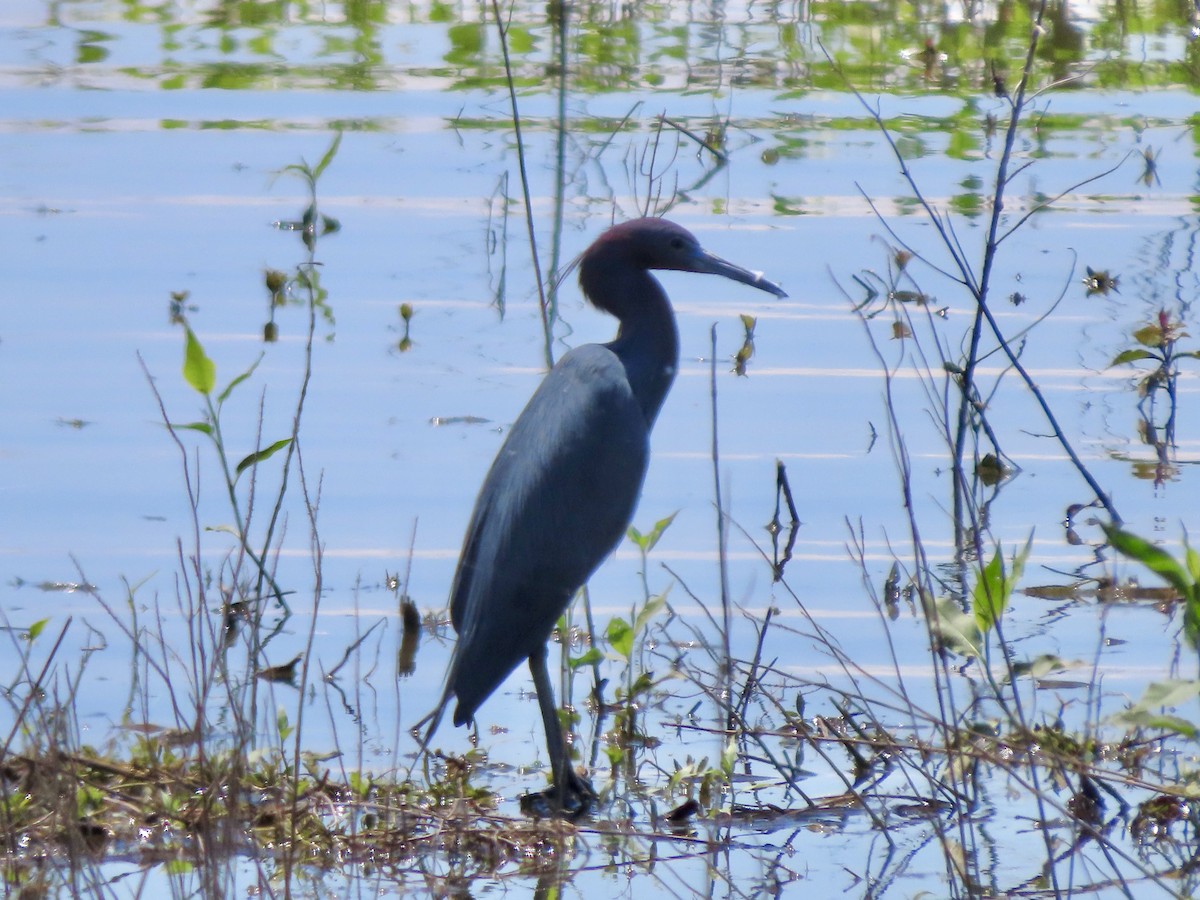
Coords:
332,673
1049,203
720,155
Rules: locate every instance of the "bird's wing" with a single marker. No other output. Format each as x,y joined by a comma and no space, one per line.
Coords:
556,501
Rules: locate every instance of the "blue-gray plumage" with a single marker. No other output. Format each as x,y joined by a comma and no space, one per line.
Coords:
564,485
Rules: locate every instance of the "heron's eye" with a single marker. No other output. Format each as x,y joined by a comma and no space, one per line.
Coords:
676,243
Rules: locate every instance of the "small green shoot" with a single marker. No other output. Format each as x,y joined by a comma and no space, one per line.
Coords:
729,757
646,542
406,313
224,395
281,725
966,633
994,589
1156,342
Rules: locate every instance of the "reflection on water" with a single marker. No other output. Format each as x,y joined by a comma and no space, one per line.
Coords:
599,48
143,147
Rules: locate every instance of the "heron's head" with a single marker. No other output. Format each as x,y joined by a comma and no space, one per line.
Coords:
651,243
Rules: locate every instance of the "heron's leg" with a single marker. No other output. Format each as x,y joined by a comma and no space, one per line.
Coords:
574,794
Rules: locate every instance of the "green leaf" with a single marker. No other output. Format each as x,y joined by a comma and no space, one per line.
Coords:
1191,621
592,656
988,599
36,628
955,629
729,757
994,588
1193,561
1147,711
1127,356
1040,665
281,724
1154,558
1149,335
202,427
1018,565
620,637
643,684
652,608
229,388
1179,575
1169,693
259,455
328,157
198,370
1157,722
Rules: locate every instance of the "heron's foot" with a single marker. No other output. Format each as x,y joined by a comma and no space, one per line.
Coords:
571,800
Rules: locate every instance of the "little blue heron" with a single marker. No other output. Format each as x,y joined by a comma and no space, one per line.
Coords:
564,485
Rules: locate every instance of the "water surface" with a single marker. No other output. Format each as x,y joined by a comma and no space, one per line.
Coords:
143,150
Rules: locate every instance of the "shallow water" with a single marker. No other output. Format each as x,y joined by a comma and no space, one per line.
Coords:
143,147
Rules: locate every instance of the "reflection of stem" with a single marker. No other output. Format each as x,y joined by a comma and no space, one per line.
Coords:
598,682
653,182
783,489
498,243
1170,435
781,482
1164,378
722,562
543,305
560,157
753,675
